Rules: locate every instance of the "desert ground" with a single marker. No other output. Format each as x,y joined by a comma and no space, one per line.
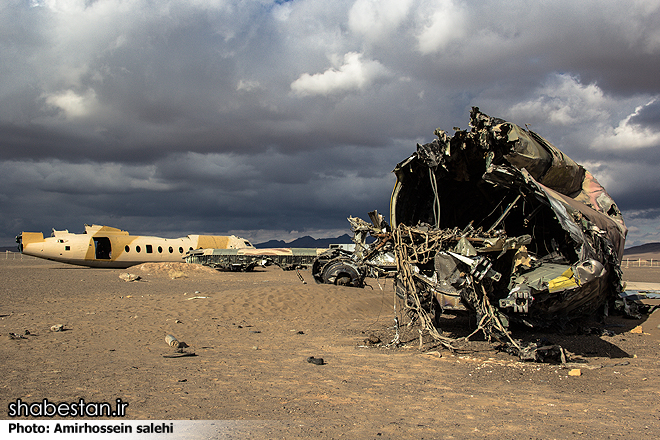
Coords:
252,335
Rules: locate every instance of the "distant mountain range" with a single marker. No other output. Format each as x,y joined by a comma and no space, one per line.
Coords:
305,242
648,248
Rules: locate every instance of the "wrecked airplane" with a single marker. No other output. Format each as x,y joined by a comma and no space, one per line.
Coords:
495,221
108,247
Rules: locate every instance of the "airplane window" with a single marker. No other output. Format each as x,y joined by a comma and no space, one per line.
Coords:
67,248
160,249
190,249
149,250
137,249
171,250
180,250
126,248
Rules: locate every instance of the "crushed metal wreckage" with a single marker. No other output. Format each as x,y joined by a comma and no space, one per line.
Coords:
246,260
495,221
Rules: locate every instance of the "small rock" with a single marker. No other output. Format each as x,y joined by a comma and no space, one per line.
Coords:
129,277
315,361
372,340
57,328
637,329
433,353
575,372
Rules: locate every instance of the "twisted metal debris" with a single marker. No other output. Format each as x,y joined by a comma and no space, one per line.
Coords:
494,221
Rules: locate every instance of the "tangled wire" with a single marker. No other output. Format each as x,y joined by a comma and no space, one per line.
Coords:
417,246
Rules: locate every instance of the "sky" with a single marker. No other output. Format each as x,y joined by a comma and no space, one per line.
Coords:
277,119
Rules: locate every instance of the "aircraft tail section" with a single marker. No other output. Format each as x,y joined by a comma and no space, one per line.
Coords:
28,237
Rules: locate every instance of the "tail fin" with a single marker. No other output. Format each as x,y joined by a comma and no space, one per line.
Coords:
27,238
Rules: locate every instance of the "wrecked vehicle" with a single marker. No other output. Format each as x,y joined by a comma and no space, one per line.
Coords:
495,221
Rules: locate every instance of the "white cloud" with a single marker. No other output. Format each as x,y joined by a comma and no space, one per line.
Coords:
628,135
354,74
73,104
248,85
444,23
375,19
564,100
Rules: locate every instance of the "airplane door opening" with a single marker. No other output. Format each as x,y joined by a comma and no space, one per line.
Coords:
103,248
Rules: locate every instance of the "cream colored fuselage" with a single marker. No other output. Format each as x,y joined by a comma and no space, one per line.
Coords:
104,246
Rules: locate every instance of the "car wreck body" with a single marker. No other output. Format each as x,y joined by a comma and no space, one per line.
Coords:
496,221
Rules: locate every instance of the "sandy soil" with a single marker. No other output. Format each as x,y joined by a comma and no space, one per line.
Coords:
253,332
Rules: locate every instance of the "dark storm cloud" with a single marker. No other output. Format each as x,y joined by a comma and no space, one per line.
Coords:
274,118
648,116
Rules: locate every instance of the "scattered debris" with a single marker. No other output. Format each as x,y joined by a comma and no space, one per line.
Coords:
300,276
622,364
172,341
178,347
547,353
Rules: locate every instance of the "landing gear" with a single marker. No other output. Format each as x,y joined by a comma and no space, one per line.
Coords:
337,268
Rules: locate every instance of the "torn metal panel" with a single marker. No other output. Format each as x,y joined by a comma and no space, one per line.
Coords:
498,221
